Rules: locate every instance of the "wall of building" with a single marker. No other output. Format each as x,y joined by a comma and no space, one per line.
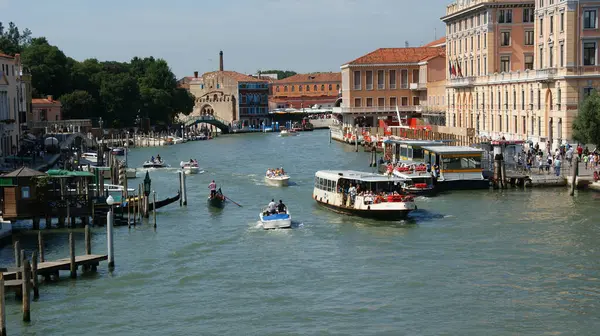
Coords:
9,128
46,109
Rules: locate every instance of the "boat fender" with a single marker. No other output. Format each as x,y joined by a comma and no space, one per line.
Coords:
315,197
321,199
327,201
369,207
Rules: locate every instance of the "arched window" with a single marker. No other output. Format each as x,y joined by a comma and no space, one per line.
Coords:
285,88
300,88
293,88
330,86
337,87
277,89
322,87
315,88
307,88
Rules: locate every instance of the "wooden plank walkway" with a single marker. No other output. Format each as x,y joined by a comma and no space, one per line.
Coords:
49,267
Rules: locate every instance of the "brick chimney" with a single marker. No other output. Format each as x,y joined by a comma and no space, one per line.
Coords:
49,97
195,74
221,60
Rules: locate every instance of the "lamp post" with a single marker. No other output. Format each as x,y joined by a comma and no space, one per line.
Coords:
100,147
182,136
110,201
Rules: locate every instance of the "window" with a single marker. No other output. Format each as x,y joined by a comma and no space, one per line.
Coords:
541,27
330,87
528,62
561,57
369,102
514,100
357,102
509,16
314,88
589,19
500,123
589,53
337,87
380,79
485,17
478,66
504,63
501,16
478,41
307,88
551,56
323,87
381,102
514,123
369,80
551,24
499,99
587,91
541,65
25,192
392,78
393,101
528,15
277,89
505,38
356,80
562,22
539,99
523,100
558,99
416,101
404,101
404,79
485,40
539,126
529,37
531,99
485,65
294,88
285,88
299,88
472,43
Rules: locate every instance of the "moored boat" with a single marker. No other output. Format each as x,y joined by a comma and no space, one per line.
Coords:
190,167
416,182
377,196
280,220
90,157
218,200
120,151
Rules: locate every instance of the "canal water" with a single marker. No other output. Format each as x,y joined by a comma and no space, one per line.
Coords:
466,263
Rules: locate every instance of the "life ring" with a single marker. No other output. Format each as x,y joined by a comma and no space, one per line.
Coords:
596,176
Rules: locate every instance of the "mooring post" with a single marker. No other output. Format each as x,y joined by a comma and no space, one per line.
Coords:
73,267
109,238
330,135
574,177
154,207
2,307
26,287
180,190
183,189
34,275
18,257
88,240
41,246
356,139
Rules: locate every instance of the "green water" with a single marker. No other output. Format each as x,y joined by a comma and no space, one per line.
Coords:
466,263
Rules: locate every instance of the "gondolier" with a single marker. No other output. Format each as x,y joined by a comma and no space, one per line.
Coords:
213,188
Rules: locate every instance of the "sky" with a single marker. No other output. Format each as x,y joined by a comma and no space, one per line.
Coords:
299,35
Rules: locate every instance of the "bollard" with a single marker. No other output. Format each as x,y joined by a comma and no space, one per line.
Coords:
88,240
26,288
330,135
574,177
128,214
41,246
109,239
18,257
2,307
183,189
34,275
72,266
154,206
180,191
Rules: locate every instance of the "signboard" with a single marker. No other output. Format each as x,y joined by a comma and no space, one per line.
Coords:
470,132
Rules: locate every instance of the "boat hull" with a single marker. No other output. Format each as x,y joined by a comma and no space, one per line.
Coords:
419,191
154,165
191,170
277,181
277,221
461,185
217,202
385,214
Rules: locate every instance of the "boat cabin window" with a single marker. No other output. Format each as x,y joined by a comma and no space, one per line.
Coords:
410,153
430,158
376,187
417,153
324,184
461,163
403,151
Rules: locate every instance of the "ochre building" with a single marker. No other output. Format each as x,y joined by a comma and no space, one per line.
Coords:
306,90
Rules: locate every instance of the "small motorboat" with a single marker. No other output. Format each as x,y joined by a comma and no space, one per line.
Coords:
218,201
120,151
190,167
285,132
90,157
282,220
155,164
277,178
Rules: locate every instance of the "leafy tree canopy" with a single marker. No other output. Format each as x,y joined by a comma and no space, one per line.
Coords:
586,126
281,74
12,40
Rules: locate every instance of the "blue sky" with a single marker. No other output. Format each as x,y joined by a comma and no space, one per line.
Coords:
299,35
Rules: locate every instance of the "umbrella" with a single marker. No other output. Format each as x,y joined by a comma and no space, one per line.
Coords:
51,141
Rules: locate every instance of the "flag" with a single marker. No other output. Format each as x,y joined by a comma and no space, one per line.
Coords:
459,70
453,70
450,67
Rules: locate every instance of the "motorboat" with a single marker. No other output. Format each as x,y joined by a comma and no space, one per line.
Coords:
277,178
90,157
285,132
218,201
120,151
417,180
275,221
190,167
130,173
201,136
380,197
115,190
154,164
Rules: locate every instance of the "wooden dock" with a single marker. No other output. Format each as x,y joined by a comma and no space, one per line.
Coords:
49,268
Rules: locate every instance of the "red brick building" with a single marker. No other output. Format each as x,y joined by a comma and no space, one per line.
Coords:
306,90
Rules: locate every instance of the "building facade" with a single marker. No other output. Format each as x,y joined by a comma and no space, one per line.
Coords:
9,124
388,79
45,110
24,95
519,69
235,98
306,90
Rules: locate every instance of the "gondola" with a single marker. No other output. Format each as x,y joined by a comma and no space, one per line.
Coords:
218,200
165,202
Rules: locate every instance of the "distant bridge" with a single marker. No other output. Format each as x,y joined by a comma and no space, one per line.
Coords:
68,140
219,123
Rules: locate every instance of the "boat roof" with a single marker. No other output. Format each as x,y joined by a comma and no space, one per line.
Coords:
415,142
356,175
453,150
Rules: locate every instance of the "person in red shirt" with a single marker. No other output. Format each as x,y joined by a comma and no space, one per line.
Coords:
579,151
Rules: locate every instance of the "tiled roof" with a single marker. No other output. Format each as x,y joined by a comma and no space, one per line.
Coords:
398,55
320,77
5,55
240,77
44,101
439,42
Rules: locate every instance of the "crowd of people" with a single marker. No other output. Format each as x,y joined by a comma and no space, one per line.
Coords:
554,161
275,172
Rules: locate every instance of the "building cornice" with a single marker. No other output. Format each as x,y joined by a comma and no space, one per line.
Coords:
346,66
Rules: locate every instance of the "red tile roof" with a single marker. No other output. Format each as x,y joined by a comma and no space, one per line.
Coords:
398,55
240,77
319,77
45,101
6,56
437,42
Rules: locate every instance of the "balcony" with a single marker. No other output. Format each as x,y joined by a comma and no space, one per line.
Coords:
462,82
418,86
378,109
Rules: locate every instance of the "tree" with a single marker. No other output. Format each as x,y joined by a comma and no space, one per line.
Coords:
120,97
78,104
281,74
183,102
13,41
586,126
49,67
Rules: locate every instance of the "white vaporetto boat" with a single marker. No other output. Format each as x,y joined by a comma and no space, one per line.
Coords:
277,177
379,196
275,221
190,167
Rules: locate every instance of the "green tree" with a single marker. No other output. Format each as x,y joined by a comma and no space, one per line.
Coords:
281,74
78,104
586,126
12,40
183,102
49,67
120,98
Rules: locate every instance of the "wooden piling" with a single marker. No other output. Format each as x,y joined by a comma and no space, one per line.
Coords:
180,190
183,189
26,287
88,240
18,257
574,177
109,239
154,207
41,246
73,266
128,213
2,307
34,275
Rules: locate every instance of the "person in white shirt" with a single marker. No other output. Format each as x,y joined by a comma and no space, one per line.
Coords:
271,208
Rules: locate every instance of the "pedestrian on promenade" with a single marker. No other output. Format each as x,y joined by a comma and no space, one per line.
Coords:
557,164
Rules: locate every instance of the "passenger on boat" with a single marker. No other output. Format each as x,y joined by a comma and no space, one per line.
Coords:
352,193
272,207
281,208
152,159
158,158
213,188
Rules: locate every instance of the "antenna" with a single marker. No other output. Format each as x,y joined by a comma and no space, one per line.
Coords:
406,44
